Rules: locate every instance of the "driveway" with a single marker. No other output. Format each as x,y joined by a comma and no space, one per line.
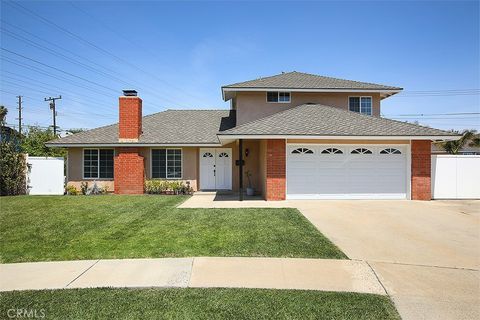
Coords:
426,254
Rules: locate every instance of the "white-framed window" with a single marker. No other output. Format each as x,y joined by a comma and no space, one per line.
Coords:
167,163
390,151
278,96
302,151
98,163
361,151
332,151
361,105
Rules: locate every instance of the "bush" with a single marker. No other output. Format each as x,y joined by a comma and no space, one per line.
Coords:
167,187
71,190
13,169
84,187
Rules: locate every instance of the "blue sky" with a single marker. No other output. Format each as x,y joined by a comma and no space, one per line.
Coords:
178,54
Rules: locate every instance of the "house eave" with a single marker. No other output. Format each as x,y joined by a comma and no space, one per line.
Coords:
383,92
346,137
109,145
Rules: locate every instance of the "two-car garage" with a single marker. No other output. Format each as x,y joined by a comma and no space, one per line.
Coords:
357,171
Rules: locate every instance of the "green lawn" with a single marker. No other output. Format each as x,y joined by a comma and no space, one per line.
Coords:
34,228
199,304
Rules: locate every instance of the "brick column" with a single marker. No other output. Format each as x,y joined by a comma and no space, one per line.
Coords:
421,170
129,171
276,170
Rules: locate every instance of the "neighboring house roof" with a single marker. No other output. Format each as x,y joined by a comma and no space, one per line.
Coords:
320,120
299,80
171,127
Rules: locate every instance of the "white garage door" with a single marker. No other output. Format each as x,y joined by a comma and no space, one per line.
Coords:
346,172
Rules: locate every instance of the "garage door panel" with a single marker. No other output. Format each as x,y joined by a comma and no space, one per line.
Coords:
347,175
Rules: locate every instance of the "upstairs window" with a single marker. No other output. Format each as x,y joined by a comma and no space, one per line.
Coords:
361,105
98,163
278,96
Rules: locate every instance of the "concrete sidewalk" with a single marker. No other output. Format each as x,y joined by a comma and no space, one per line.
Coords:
277,273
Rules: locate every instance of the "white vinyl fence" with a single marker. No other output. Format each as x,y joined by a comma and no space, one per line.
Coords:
456,176
45,176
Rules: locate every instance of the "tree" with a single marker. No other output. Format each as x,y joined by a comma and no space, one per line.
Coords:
34,143
454,146
3,115
12,164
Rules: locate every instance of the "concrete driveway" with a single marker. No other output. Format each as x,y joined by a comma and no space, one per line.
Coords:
426,254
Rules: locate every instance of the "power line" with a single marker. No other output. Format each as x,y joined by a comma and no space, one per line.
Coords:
74,61
89,43
57,69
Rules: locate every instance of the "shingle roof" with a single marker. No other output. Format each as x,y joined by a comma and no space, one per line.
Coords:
168,127
320,120
300,80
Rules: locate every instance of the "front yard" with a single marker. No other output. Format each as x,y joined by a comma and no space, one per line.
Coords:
34,228
198,304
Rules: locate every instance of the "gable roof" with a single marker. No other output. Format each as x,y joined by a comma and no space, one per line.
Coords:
325,121
171,127
305,81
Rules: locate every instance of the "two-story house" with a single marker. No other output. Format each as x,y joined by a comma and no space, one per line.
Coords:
300,136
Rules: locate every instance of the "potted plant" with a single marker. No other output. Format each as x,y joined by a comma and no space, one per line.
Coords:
250,189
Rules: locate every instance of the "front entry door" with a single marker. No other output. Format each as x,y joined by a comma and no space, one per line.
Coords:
215,168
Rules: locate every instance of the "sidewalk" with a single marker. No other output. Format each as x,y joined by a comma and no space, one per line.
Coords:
275,273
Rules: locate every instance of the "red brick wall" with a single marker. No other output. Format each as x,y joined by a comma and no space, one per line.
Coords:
421,170
276,170
129,171
130,118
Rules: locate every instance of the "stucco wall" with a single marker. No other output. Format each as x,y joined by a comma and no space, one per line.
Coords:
253,105
75,167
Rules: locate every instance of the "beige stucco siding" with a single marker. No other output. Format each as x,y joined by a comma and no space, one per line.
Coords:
75,167
253,105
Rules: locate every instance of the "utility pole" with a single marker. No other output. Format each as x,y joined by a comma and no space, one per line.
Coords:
19,114
54,113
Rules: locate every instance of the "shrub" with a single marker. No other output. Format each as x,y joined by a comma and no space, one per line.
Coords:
13,169
84,187
167,187
71,190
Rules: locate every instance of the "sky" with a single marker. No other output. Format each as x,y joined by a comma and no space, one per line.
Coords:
177,55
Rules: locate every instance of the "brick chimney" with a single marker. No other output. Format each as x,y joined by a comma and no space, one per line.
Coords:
130,117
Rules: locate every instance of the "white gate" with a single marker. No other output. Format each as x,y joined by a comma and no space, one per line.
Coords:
455,177
45,176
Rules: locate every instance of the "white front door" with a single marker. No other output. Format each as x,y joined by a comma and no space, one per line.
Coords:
215,168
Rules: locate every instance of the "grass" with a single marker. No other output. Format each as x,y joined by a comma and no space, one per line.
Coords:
199,304
34,228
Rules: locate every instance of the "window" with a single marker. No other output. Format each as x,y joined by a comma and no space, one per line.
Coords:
223,155
302,151
361,151
332,151
207,155
361,105
98,163
390,151
167,163
274,96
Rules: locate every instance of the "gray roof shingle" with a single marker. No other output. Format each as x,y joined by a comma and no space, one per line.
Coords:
300,80
320,120
167,127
